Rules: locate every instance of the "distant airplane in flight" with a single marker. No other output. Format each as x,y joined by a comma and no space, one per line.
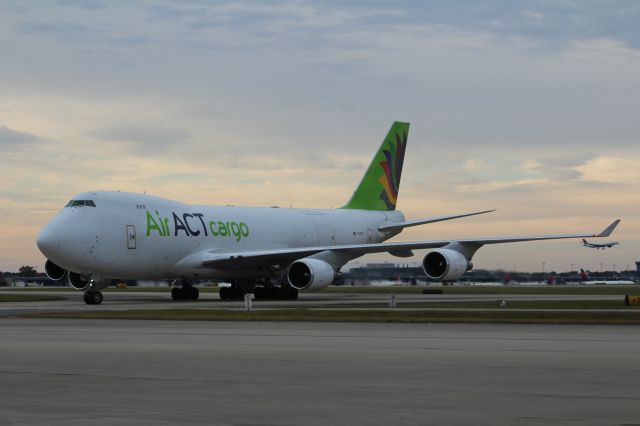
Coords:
599,246
271,252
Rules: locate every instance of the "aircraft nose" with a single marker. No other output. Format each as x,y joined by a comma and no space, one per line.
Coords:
47,240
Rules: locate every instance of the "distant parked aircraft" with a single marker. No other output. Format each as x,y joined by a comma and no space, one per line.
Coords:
599,245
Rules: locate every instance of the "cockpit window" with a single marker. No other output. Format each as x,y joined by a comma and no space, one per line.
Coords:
80,203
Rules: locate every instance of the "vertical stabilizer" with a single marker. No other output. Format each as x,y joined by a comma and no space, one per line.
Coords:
380,185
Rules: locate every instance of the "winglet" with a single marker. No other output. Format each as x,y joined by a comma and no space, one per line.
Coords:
609,229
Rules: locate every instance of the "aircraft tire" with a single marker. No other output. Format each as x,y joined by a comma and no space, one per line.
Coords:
224,293
176,293
93,297
97,297
288,293
238,293
194,293
259,292
273,293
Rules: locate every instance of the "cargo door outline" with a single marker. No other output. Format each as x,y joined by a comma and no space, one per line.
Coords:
131,237
324,231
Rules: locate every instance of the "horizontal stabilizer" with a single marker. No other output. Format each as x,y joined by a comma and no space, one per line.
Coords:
609,229
407,224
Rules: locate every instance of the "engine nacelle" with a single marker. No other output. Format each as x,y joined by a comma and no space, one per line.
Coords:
54,271
77,281
445,265
306,274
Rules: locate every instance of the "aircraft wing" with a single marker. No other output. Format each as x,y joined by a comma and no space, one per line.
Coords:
225,260
232,260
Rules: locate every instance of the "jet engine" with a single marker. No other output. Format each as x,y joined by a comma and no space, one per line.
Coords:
445,265
306,274
77,281
54,271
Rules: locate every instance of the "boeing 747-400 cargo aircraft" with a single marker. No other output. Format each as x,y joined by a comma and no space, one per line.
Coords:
273,252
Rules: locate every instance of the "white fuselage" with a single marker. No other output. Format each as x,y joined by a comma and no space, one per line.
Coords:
137,236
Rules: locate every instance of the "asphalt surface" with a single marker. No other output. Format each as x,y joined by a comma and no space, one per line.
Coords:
162,300
99,372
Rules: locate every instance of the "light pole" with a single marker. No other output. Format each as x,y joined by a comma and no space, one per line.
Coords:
543,265
571,268
601,267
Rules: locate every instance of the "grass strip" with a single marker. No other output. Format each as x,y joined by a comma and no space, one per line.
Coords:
512,289
395,316
28,298
525,304
36,289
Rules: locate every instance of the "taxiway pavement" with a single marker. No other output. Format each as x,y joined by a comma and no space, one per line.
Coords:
99,372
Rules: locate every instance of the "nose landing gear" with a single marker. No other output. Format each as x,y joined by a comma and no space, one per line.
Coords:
93,297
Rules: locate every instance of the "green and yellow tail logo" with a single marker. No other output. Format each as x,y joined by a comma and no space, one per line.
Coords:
380,185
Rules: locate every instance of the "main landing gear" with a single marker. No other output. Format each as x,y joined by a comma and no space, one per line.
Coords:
260,292
284,292
186,292
93,297
232,293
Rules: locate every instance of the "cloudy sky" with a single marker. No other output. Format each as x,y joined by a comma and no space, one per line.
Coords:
532,108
